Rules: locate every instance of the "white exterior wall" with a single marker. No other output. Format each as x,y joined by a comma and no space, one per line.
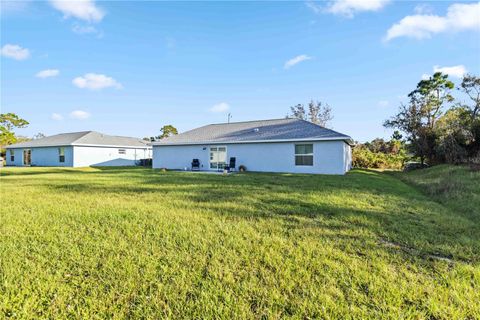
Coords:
77,156
42,157
347,157
85,156
329,157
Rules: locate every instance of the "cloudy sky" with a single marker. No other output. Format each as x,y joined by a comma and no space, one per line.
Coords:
128,68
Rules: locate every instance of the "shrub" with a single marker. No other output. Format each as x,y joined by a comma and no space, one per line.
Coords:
364,158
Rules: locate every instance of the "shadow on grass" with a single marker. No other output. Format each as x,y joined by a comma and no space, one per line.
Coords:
373,203
33,171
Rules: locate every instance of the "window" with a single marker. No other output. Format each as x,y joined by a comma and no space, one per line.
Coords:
304,154
61,154
122,151
12,155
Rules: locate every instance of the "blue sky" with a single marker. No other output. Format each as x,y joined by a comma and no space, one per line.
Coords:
128,68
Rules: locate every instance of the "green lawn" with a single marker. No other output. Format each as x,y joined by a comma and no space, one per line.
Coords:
140,243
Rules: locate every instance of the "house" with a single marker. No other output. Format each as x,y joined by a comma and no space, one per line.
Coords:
78,149
279,145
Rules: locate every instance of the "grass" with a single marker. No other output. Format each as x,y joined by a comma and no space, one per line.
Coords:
457,187
139,243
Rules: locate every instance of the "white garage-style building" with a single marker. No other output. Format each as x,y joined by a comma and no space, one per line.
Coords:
279,145
79,149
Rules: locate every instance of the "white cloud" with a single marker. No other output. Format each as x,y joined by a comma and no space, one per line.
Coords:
56,116
348,8
290,63
83,29
425,76
454,71
313,6
423,8
14,51
94,81
417,26
460,17
220,107
87,29
47,73
80,9
79,115
383,103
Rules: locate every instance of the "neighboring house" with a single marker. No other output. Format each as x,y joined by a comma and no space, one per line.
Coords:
78,149
281,145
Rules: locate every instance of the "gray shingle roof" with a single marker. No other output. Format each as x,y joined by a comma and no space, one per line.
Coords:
255,131
81,138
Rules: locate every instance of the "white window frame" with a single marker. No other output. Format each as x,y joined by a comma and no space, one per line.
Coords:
213,158
303,155
12,155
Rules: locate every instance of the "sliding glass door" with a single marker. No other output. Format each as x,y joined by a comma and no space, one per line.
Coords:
218,158
27,157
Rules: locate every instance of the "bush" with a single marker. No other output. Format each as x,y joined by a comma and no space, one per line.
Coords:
364,158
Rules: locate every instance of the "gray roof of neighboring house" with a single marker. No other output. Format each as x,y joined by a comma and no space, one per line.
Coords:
92,138
275,130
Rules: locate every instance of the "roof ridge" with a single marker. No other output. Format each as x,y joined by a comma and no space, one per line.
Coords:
111,135
247,121
316,124
80,138
104,134
85,133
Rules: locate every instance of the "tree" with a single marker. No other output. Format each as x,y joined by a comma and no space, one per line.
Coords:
431,95
298,111
378,145
469,116
471,87
397,135
8,122
38,136
166,131
409,121
396,144
318,112
418,119
454,136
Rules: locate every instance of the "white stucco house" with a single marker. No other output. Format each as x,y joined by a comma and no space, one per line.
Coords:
79,149
279,145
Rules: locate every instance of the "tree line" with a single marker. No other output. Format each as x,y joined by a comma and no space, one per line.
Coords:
438,127
433,127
